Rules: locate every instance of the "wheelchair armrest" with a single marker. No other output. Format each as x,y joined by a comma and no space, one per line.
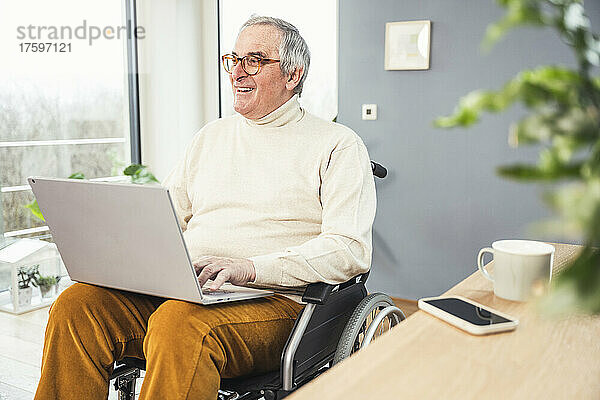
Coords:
318,293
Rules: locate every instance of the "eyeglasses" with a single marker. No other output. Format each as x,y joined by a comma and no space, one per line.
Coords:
250,64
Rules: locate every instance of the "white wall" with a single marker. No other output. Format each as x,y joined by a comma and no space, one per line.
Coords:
178,77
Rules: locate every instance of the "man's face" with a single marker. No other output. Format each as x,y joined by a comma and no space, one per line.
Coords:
258,95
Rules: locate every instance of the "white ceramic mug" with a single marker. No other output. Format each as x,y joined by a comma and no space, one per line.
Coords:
519,267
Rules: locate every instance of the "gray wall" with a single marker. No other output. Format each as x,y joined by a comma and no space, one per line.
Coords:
442,200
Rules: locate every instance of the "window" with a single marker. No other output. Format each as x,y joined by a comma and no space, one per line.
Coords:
61,112
317,22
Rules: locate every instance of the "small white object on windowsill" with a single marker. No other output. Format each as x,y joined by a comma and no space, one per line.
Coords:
25,254
20,249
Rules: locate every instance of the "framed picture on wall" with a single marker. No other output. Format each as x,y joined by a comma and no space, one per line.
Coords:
407,45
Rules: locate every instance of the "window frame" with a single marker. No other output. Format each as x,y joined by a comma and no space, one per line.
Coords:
133,83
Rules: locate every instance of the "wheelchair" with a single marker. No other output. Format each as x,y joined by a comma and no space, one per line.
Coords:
337,321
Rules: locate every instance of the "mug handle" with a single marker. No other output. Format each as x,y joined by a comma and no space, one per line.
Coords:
480,262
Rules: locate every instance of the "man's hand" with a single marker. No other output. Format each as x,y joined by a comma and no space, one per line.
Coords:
238,271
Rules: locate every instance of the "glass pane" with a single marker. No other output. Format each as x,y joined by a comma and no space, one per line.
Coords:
27,113
16,215
319,29
93,160
4,278
51,100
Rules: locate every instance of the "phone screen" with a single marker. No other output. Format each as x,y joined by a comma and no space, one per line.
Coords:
467,311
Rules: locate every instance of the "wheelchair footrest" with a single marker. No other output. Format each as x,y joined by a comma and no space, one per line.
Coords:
125,378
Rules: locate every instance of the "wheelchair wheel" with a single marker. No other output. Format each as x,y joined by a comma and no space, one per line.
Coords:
375,315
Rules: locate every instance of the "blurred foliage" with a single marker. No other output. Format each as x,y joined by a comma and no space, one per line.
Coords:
35,210
77,175
138,173
564,118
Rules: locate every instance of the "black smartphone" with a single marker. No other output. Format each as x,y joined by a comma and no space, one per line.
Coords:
468,315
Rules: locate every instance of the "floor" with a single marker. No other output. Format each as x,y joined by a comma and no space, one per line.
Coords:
21,341
408,307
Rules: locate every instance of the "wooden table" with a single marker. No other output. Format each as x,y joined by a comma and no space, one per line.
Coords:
425,358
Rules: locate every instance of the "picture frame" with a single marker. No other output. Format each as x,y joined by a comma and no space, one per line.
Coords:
407,45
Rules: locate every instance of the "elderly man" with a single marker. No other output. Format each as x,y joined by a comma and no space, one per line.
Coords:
273,197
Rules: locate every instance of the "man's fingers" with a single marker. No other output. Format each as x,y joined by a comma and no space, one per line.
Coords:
198,267
222,277
201,262
204,260
208,272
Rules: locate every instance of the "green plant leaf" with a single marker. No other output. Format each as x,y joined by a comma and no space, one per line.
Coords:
545,88
564,106
27,276
35,210
574,17
46,280
576,202
526,172
140,174
132,169
470,107
519,12
77,175
576,288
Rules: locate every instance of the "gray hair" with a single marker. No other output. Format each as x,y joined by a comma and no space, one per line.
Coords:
293,50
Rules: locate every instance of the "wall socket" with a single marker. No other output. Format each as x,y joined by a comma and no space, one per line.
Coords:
369,112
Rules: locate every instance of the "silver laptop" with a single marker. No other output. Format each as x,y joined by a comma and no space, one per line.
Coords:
124,236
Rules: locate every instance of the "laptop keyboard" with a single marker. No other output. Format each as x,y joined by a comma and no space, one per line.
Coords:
207,292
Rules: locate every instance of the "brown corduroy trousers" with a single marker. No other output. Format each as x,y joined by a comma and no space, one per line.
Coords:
187,347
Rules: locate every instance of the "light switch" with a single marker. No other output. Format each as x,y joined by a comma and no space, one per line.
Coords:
369,112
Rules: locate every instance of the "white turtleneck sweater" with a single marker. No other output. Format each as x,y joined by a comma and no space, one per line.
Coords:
291,192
